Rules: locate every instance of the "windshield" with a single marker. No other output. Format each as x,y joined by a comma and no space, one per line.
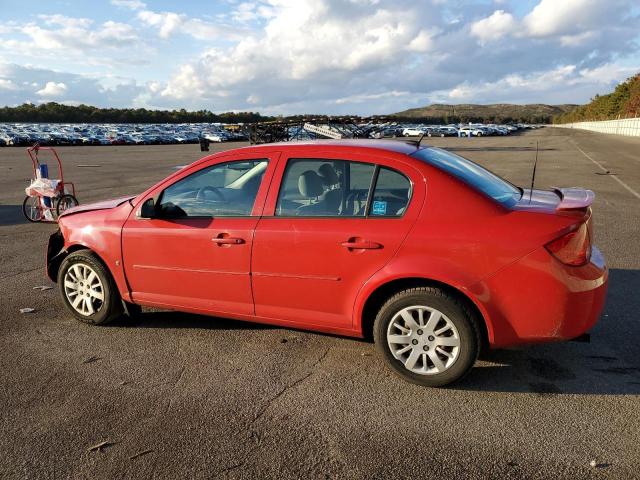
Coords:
471,173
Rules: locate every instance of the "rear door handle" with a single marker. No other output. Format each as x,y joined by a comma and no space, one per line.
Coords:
227,240
361,245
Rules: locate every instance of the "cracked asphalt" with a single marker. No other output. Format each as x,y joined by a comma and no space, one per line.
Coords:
174,395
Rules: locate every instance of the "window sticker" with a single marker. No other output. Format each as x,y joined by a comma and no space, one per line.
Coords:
379,208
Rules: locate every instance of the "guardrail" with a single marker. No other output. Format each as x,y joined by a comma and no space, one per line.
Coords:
629,127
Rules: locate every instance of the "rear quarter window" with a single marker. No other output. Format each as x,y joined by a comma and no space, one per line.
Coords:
472,174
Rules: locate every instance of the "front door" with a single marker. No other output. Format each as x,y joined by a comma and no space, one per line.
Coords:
195,252
334,225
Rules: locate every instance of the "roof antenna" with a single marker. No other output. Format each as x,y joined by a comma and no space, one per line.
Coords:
416,142
533,177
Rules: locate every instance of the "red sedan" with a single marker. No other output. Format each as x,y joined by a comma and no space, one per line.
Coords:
430,254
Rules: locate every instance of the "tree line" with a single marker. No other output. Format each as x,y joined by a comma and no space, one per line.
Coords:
623,102
53,112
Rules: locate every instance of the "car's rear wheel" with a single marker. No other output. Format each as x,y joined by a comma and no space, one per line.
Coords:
427,336
88,290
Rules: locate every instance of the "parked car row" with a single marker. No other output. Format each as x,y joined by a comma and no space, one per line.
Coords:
21,134
461,130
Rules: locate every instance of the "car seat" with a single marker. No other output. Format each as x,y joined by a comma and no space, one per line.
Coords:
332,197
310,186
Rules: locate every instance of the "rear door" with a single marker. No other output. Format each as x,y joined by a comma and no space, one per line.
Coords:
196,252
329,225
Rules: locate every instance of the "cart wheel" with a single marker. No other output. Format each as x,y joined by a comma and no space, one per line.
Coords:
32,209
65,203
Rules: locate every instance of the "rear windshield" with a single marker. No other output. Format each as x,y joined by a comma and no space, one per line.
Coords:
471,173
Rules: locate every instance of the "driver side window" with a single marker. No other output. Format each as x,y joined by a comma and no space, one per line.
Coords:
224,190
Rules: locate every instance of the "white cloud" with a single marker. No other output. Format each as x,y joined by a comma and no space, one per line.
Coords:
171,23
41,84
53,89
553,17
574,22
7,84
76,35
564,84
325,56
130,4
494,27
369,97
326,43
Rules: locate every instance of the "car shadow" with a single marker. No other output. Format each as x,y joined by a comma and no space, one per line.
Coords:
608,365
173,320
11,215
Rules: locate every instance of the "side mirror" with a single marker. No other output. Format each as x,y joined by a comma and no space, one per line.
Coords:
148,209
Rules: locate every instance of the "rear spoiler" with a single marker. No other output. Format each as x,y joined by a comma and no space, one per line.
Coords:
574,198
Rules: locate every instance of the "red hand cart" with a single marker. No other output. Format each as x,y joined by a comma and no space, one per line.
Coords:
47,198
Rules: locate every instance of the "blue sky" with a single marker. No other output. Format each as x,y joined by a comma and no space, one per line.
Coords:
314,56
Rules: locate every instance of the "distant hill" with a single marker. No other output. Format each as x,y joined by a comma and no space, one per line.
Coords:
623,102
498,112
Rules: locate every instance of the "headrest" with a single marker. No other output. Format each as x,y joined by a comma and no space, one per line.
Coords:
328,174
310,184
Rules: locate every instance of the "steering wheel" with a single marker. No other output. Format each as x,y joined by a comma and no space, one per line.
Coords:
201,193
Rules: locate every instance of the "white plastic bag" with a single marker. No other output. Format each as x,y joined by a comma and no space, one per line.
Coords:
45,187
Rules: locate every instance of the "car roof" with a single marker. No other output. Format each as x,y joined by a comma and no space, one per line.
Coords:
373,144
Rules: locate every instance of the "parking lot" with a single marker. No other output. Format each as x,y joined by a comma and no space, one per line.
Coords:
175,395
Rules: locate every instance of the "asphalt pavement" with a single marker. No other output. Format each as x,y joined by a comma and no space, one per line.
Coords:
174,395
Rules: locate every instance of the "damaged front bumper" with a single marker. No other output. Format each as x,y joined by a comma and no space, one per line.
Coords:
55,255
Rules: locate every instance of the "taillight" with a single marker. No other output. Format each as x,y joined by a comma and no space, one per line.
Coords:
573,248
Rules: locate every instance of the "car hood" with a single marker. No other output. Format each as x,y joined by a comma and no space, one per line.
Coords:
102,205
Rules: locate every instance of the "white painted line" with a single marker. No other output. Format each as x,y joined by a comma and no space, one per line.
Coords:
631,190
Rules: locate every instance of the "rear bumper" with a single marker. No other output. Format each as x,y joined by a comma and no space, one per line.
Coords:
539,299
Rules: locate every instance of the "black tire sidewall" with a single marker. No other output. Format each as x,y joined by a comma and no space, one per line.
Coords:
109,309
66,195
24,211
469,339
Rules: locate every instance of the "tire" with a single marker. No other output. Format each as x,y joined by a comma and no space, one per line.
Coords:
65,202
105,304
419,364
32,209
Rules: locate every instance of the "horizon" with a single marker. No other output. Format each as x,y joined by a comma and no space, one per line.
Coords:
386,56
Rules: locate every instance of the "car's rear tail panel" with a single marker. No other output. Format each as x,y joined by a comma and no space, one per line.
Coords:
557,291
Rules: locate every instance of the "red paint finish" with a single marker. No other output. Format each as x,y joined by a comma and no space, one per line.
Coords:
319,272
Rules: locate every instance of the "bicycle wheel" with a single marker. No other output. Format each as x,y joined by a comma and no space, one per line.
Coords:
66,202
32,209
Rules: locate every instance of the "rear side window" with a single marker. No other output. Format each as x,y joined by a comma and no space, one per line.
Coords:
391,194
341,188
472,174
325,188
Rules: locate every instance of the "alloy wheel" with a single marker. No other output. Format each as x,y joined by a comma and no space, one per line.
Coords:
83,289
424,339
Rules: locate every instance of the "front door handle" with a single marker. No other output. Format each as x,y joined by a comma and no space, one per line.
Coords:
360,244
227,240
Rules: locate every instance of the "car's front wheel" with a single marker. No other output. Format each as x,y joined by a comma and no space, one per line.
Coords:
88,290
427,336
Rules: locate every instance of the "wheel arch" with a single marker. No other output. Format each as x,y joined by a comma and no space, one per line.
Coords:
54,266
384,291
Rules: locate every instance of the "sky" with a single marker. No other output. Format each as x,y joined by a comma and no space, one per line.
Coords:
314,56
